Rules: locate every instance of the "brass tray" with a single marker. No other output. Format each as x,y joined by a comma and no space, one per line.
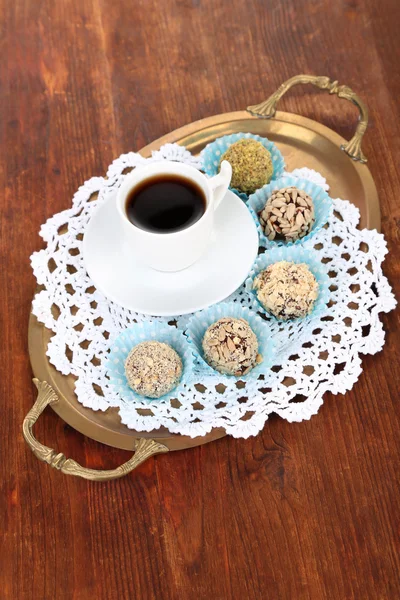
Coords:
303,142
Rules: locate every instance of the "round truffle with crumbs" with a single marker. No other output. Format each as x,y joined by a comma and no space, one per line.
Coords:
153,369
251,165
230,346
287,290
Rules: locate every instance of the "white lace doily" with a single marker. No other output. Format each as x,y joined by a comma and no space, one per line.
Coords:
311,360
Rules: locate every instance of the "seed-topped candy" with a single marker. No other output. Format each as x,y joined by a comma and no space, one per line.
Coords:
230,346
288,214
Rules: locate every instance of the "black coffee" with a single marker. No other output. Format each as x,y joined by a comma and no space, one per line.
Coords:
165,203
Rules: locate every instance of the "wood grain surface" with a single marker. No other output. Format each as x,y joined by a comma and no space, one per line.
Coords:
302,511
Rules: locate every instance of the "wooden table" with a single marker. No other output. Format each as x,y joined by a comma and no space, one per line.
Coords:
308,510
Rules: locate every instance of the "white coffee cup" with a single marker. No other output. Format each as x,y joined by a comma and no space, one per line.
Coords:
177,250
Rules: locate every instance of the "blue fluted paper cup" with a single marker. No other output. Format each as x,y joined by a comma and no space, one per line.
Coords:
201,321
211,156
295,254
146,332
323,206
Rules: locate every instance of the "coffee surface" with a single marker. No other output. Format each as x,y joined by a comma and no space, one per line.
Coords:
165,204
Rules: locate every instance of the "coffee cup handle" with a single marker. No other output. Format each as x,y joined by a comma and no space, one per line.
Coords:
220,183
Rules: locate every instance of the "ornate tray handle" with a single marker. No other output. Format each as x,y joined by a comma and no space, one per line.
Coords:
267,109
145,448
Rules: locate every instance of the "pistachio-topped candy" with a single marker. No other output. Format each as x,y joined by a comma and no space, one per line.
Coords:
251,165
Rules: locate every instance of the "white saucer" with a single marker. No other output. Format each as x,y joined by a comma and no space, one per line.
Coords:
124,279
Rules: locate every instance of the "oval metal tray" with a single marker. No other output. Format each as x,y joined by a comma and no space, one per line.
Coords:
303,143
